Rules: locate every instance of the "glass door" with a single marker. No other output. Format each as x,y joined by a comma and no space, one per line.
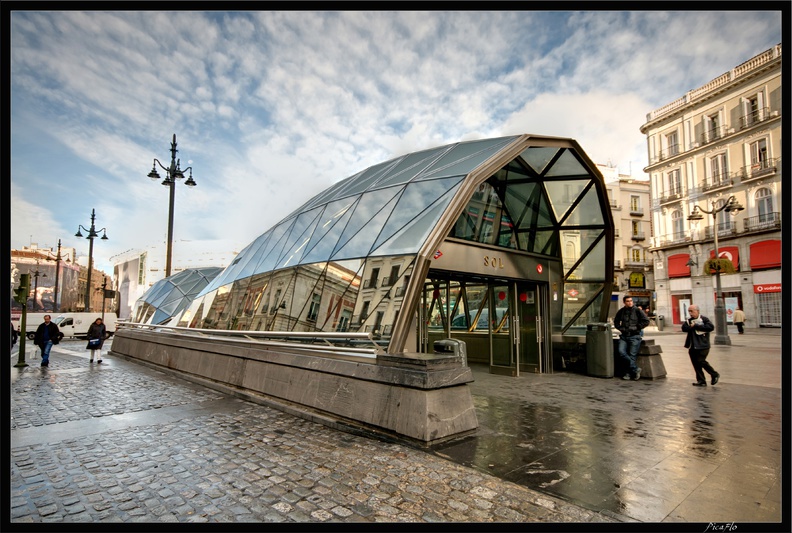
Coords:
504,346
530,325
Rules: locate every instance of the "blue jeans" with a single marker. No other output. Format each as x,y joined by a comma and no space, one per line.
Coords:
45,352
629,345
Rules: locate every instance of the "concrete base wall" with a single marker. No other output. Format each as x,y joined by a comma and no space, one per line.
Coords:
418,397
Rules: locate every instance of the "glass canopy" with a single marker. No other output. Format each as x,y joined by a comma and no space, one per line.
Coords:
356,256
170,296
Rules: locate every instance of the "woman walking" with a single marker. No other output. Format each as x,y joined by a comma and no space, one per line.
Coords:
96,337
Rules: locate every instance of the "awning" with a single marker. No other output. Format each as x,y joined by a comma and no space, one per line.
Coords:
678,266
766,254
732,253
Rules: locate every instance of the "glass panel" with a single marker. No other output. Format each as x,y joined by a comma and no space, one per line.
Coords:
543,242
415,200
589,296
588,212
328,195
575,243
268,257
537,157
370,212
563,193
515,171
465,157
592,268
299,237
501,344
567,165
578,296
528,206
228,275
410,166
413,236
325,236
362,182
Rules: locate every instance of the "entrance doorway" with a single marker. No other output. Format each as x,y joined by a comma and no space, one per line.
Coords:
501,322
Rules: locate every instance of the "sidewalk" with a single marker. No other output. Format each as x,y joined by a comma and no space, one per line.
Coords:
120,442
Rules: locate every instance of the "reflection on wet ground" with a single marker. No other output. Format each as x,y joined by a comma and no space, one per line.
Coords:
653,450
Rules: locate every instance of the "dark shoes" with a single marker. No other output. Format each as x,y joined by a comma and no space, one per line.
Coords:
45,363
700,384
99,361
715,378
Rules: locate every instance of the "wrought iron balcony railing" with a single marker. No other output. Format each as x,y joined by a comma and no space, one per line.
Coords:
762,222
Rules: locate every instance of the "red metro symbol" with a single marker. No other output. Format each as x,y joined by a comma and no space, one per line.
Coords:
539,268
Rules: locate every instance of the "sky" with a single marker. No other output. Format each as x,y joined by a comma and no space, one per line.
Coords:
271,108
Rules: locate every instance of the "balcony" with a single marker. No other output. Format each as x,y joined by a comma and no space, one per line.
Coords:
616,233
674,238
672,195
617,264
636,212
633,263
639,236
754,117
614,205
726,229
768,221
716,133
717,181
669,152
761,169
370,284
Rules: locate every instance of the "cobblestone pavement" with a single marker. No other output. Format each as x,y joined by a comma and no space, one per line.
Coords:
120,442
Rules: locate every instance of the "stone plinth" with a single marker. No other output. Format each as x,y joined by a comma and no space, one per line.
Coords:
419,397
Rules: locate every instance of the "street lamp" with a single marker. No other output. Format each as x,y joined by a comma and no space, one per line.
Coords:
731,206
173,173
92,234
58,259
36,275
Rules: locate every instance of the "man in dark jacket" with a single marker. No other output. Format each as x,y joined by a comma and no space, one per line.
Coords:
697,342
47,334
630,321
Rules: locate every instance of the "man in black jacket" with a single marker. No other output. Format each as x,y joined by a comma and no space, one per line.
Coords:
47,334
697,342
630,321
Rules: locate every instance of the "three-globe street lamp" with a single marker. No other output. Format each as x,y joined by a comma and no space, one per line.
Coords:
731,206
173,173
92,234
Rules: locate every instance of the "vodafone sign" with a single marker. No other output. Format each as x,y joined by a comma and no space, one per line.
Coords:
767,287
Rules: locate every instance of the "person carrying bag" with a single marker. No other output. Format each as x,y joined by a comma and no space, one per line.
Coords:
96,336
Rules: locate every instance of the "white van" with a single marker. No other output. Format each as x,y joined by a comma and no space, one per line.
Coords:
77,324
32,322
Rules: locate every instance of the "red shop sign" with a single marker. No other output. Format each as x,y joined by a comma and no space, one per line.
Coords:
767,287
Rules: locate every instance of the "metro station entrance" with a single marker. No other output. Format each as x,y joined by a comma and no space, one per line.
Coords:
501,321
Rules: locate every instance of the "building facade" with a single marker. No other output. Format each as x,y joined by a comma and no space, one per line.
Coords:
63,273
717,141
630,203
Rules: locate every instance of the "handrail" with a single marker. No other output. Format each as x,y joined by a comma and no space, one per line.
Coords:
344,341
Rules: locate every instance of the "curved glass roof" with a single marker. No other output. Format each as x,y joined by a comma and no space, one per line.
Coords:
387,209
170,296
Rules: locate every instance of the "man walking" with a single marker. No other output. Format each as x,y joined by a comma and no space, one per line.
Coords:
630,321
47,334
697,342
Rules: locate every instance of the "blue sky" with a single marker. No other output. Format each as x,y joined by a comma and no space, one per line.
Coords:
270,108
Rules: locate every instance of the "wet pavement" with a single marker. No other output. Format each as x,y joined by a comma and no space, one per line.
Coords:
121,442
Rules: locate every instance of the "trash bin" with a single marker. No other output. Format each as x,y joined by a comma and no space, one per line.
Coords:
660,322
453,347
599,349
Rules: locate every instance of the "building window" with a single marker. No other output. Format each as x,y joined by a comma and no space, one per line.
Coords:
723,218
371,283
753,110
364,311
636,255
678,225
672,144
759,154
142,269
764,204
394,275
718,169
313,311
674,182
635,204
636,227
712,127
343,321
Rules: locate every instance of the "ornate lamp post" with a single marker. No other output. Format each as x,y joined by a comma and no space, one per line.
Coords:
58,259
36,275
92,234
731,206
173,173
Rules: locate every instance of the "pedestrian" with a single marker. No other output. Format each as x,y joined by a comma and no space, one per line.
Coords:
739,320
47,334
697,342
13,335
630,322
96,336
